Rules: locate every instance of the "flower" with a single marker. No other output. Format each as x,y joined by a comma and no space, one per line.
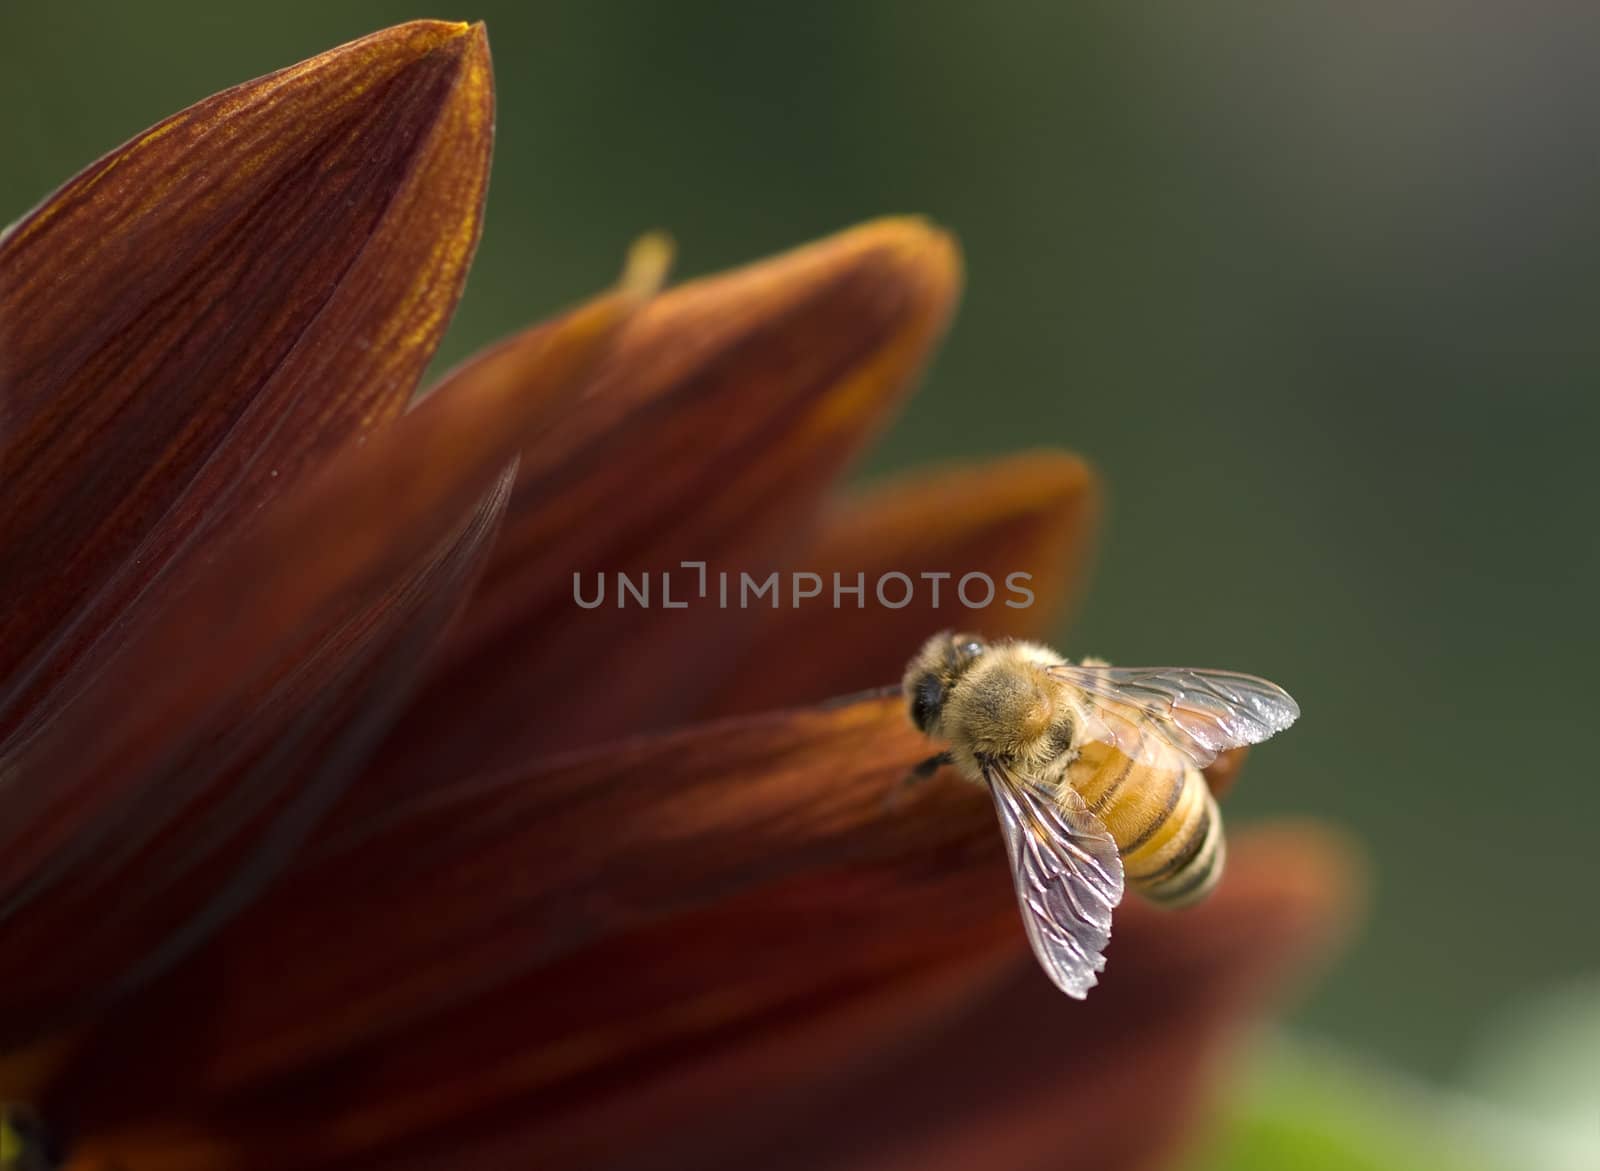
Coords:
337,835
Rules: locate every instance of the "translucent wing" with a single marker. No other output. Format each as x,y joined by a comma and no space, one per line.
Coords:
1143,711
1068,876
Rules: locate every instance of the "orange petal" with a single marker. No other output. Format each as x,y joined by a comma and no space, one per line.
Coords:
213,308
177,782
727,410
1030,514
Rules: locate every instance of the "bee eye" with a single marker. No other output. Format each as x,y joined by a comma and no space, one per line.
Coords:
926,702
970,648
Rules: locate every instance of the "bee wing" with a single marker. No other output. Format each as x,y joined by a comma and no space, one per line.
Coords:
1068,876
1140,710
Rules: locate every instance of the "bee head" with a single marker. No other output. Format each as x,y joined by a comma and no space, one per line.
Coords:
943,659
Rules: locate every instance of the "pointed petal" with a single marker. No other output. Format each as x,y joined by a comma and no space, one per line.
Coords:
262,685
212,308
729,407
1029,514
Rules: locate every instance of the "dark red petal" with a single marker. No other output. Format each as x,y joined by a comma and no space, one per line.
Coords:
198,756
750,1033
1027,1079
1005,1074
504,923
211,309
1031,514
728,409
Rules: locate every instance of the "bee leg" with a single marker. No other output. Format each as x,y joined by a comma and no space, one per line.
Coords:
921,771
926,768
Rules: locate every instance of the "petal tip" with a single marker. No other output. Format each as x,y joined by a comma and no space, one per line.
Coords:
430,34
475,38
465,45
401,45
1045,479
929,253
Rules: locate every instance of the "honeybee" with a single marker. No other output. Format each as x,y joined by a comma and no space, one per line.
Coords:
1095,774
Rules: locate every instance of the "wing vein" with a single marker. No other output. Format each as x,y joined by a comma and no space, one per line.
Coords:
1067,873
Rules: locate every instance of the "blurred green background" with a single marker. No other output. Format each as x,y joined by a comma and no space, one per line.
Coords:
1313,285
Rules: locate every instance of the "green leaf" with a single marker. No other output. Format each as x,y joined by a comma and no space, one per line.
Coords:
1302,1107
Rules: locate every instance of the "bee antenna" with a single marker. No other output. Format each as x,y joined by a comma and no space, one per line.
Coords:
884,692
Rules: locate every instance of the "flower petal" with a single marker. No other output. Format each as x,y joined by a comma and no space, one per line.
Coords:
213,308
262,685
976,1072
1032,514
1025,1079
836,977
506,922
727,410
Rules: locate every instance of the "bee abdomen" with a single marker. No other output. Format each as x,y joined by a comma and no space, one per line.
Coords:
1168,828
1195,867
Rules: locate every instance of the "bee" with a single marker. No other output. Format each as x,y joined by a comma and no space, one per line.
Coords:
1095,775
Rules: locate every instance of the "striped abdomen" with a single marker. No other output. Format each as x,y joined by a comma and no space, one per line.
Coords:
1163,818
